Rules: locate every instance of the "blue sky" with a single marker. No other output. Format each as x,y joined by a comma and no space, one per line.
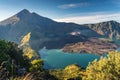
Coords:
78,11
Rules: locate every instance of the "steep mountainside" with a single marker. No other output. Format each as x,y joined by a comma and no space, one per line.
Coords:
109,29
44,31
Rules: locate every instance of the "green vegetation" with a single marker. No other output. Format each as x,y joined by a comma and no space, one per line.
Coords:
71,72
104,69
36,65
27,50
15,63
10,58
23,63
107,68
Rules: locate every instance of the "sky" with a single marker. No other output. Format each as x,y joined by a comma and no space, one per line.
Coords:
77,11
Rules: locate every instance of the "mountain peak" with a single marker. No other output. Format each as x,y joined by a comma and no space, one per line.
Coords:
15,18
24,11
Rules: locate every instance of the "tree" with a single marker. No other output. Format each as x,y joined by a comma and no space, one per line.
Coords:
37,65
72,72
27,50
107,68
15,53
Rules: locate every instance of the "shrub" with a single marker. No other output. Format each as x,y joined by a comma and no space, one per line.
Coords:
107,68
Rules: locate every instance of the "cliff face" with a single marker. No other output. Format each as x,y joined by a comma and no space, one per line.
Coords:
109,29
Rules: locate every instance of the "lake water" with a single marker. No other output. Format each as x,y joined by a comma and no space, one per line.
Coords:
56,58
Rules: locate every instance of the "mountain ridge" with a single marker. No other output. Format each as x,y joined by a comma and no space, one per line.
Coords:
44,31
109,29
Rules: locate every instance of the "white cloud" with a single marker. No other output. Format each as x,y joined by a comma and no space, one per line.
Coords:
72,5
91,18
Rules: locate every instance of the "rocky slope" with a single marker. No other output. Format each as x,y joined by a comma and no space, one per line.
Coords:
109,29
94,46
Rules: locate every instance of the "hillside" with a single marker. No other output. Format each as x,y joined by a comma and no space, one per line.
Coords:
52,34
44,31
93,46
109,29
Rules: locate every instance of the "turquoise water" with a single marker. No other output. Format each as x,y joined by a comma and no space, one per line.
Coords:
55,58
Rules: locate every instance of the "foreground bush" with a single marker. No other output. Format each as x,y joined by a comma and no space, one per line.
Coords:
71,72
36,66
107,68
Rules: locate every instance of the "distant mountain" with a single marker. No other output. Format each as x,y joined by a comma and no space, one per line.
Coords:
44,31
109,29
